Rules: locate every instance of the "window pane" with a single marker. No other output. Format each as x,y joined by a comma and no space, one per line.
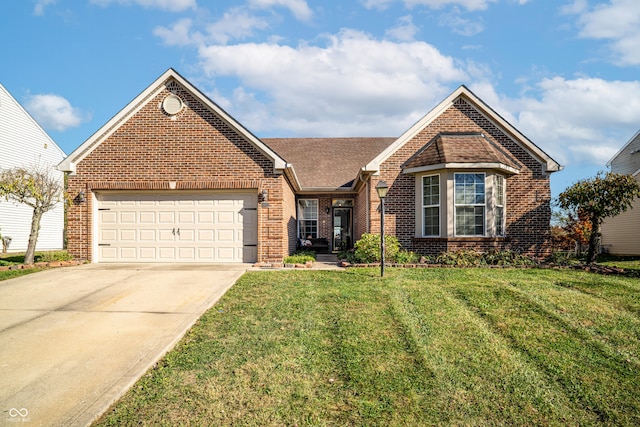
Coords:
308,218
500,221
431,190
470,221
432,221
431,205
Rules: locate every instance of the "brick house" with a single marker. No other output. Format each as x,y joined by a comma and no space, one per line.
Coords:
174,178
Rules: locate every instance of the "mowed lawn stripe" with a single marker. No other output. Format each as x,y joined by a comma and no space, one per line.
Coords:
601,383
417,347
479,378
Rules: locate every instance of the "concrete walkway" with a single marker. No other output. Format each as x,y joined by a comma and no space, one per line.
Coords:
73,340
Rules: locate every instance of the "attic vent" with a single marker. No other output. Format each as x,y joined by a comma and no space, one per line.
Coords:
172,104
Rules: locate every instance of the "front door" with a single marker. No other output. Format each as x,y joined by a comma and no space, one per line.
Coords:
342,228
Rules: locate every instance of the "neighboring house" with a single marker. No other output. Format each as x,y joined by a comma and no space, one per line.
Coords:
621,234
23,143
173,177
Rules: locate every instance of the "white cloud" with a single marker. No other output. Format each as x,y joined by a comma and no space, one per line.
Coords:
236,24
577,121
179,34
617,21
54,112
405,30
170,5
299,8
354,85
38,9
460,25
433,4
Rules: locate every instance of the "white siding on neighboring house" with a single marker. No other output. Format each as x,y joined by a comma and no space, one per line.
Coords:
23,143
621,234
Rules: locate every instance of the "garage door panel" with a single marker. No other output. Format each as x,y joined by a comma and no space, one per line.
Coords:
108,217
128,252
166,217
187,217
128,235
148,235
205,217
127,217
177,227
148,217
187,235
148,254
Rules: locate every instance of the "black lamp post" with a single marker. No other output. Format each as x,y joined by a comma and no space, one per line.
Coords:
382,189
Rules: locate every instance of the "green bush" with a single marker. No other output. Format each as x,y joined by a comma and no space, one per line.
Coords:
367,249
52,256
462,258
407,257
300,257
507,257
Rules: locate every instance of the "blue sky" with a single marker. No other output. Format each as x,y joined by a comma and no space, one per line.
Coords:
564,72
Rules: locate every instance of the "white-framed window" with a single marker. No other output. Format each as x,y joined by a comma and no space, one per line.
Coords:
431,205
308,218
499,208
470,204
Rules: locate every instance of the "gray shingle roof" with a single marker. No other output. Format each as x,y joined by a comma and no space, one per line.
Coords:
327,163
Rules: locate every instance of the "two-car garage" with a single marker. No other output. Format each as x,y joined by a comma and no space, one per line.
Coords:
176,227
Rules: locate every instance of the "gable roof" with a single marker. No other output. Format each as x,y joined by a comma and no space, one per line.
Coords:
624,147
460,150
463,92
328,164
69,164
21,135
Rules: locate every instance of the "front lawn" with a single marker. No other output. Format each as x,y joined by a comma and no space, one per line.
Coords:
419,347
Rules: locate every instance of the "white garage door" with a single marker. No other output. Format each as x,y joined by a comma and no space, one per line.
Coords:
177,227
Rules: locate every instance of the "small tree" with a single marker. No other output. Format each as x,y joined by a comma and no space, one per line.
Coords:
36,188
594,199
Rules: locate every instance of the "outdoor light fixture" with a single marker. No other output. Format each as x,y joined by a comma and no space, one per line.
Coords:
327,210
80,198
382,189
264,197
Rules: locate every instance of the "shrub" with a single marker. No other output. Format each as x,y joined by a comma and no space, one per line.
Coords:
407,257
52,256
462,258
367,249
506,257
300,257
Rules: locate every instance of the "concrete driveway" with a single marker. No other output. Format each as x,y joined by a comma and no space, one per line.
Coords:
74,339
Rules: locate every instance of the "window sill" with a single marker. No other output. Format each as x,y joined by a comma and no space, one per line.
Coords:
461,239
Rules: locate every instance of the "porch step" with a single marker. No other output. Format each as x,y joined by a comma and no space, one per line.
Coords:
327,258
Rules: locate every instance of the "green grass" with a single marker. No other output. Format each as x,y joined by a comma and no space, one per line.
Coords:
45,256
418,347
628,263
10,274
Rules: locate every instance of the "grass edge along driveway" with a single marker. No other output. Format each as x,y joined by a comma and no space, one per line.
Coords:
418,347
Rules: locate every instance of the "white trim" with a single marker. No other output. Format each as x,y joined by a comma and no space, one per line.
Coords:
474,205
636,173
548,163
499,166
439,206
622,149
69,164
300,215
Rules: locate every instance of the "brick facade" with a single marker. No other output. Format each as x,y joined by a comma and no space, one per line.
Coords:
197,150
202,149
528,210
